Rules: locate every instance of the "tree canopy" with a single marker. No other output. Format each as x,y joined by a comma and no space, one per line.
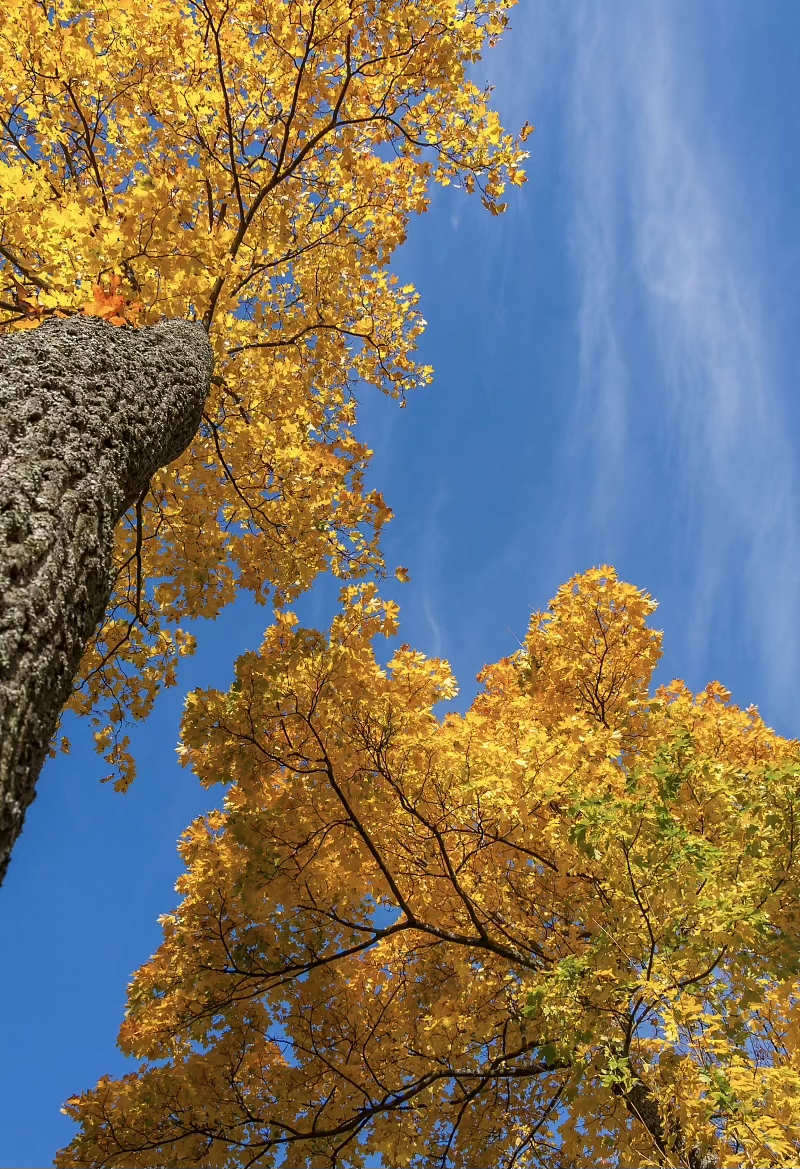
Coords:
252,164
560,929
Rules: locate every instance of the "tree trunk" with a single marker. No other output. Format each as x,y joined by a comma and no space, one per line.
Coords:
644,1108
88,412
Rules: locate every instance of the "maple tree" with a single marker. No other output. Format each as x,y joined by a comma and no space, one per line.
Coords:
558,930
250,164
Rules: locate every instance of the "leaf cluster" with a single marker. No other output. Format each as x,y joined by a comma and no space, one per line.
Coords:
560,929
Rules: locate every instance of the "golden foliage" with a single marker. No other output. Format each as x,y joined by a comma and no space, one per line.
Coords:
253,164
561,929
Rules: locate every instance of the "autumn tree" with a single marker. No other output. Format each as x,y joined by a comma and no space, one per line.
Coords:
559,930
249,165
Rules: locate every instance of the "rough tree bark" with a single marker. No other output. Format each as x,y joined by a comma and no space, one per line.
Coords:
88,412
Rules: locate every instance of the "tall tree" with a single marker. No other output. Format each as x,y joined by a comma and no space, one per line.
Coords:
561,929
251,165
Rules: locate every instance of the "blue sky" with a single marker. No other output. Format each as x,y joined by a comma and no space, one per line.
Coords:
616,382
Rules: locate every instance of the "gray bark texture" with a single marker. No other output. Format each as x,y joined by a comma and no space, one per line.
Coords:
88,412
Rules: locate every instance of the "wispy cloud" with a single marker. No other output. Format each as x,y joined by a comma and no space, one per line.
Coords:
673,355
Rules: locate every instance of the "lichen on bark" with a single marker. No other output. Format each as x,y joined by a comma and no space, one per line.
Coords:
88,413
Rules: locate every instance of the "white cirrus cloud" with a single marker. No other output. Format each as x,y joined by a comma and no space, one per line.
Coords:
674,358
